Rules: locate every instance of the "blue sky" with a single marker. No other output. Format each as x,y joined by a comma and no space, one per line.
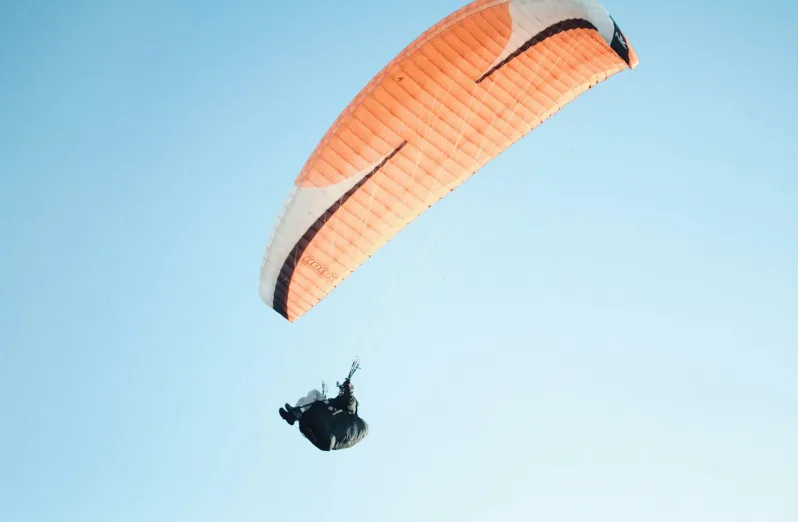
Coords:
601,324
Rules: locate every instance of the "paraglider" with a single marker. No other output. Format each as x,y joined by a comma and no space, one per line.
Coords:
329,424
464,91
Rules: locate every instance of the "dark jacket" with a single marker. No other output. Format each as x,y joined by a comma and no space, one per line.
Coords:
345,401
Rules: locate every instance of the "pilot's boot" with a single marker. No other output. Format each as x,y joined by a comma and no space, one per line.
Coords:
290,418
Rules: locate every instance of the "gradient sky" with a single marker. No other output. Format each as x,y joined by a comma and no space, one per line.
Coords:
601,325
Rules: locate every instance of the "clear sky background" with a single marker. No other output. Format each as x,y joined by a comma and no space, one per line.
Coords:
600,325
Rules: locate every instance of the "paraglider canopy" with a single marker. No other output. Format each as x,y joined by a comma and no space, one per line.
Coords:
460,94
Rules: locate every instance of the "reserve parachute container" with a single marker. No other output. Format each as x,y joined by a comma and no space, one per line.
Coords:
460,94
331,429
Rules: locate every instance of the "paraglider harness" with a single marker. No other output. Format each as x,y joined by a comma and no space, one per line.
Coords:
334,424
